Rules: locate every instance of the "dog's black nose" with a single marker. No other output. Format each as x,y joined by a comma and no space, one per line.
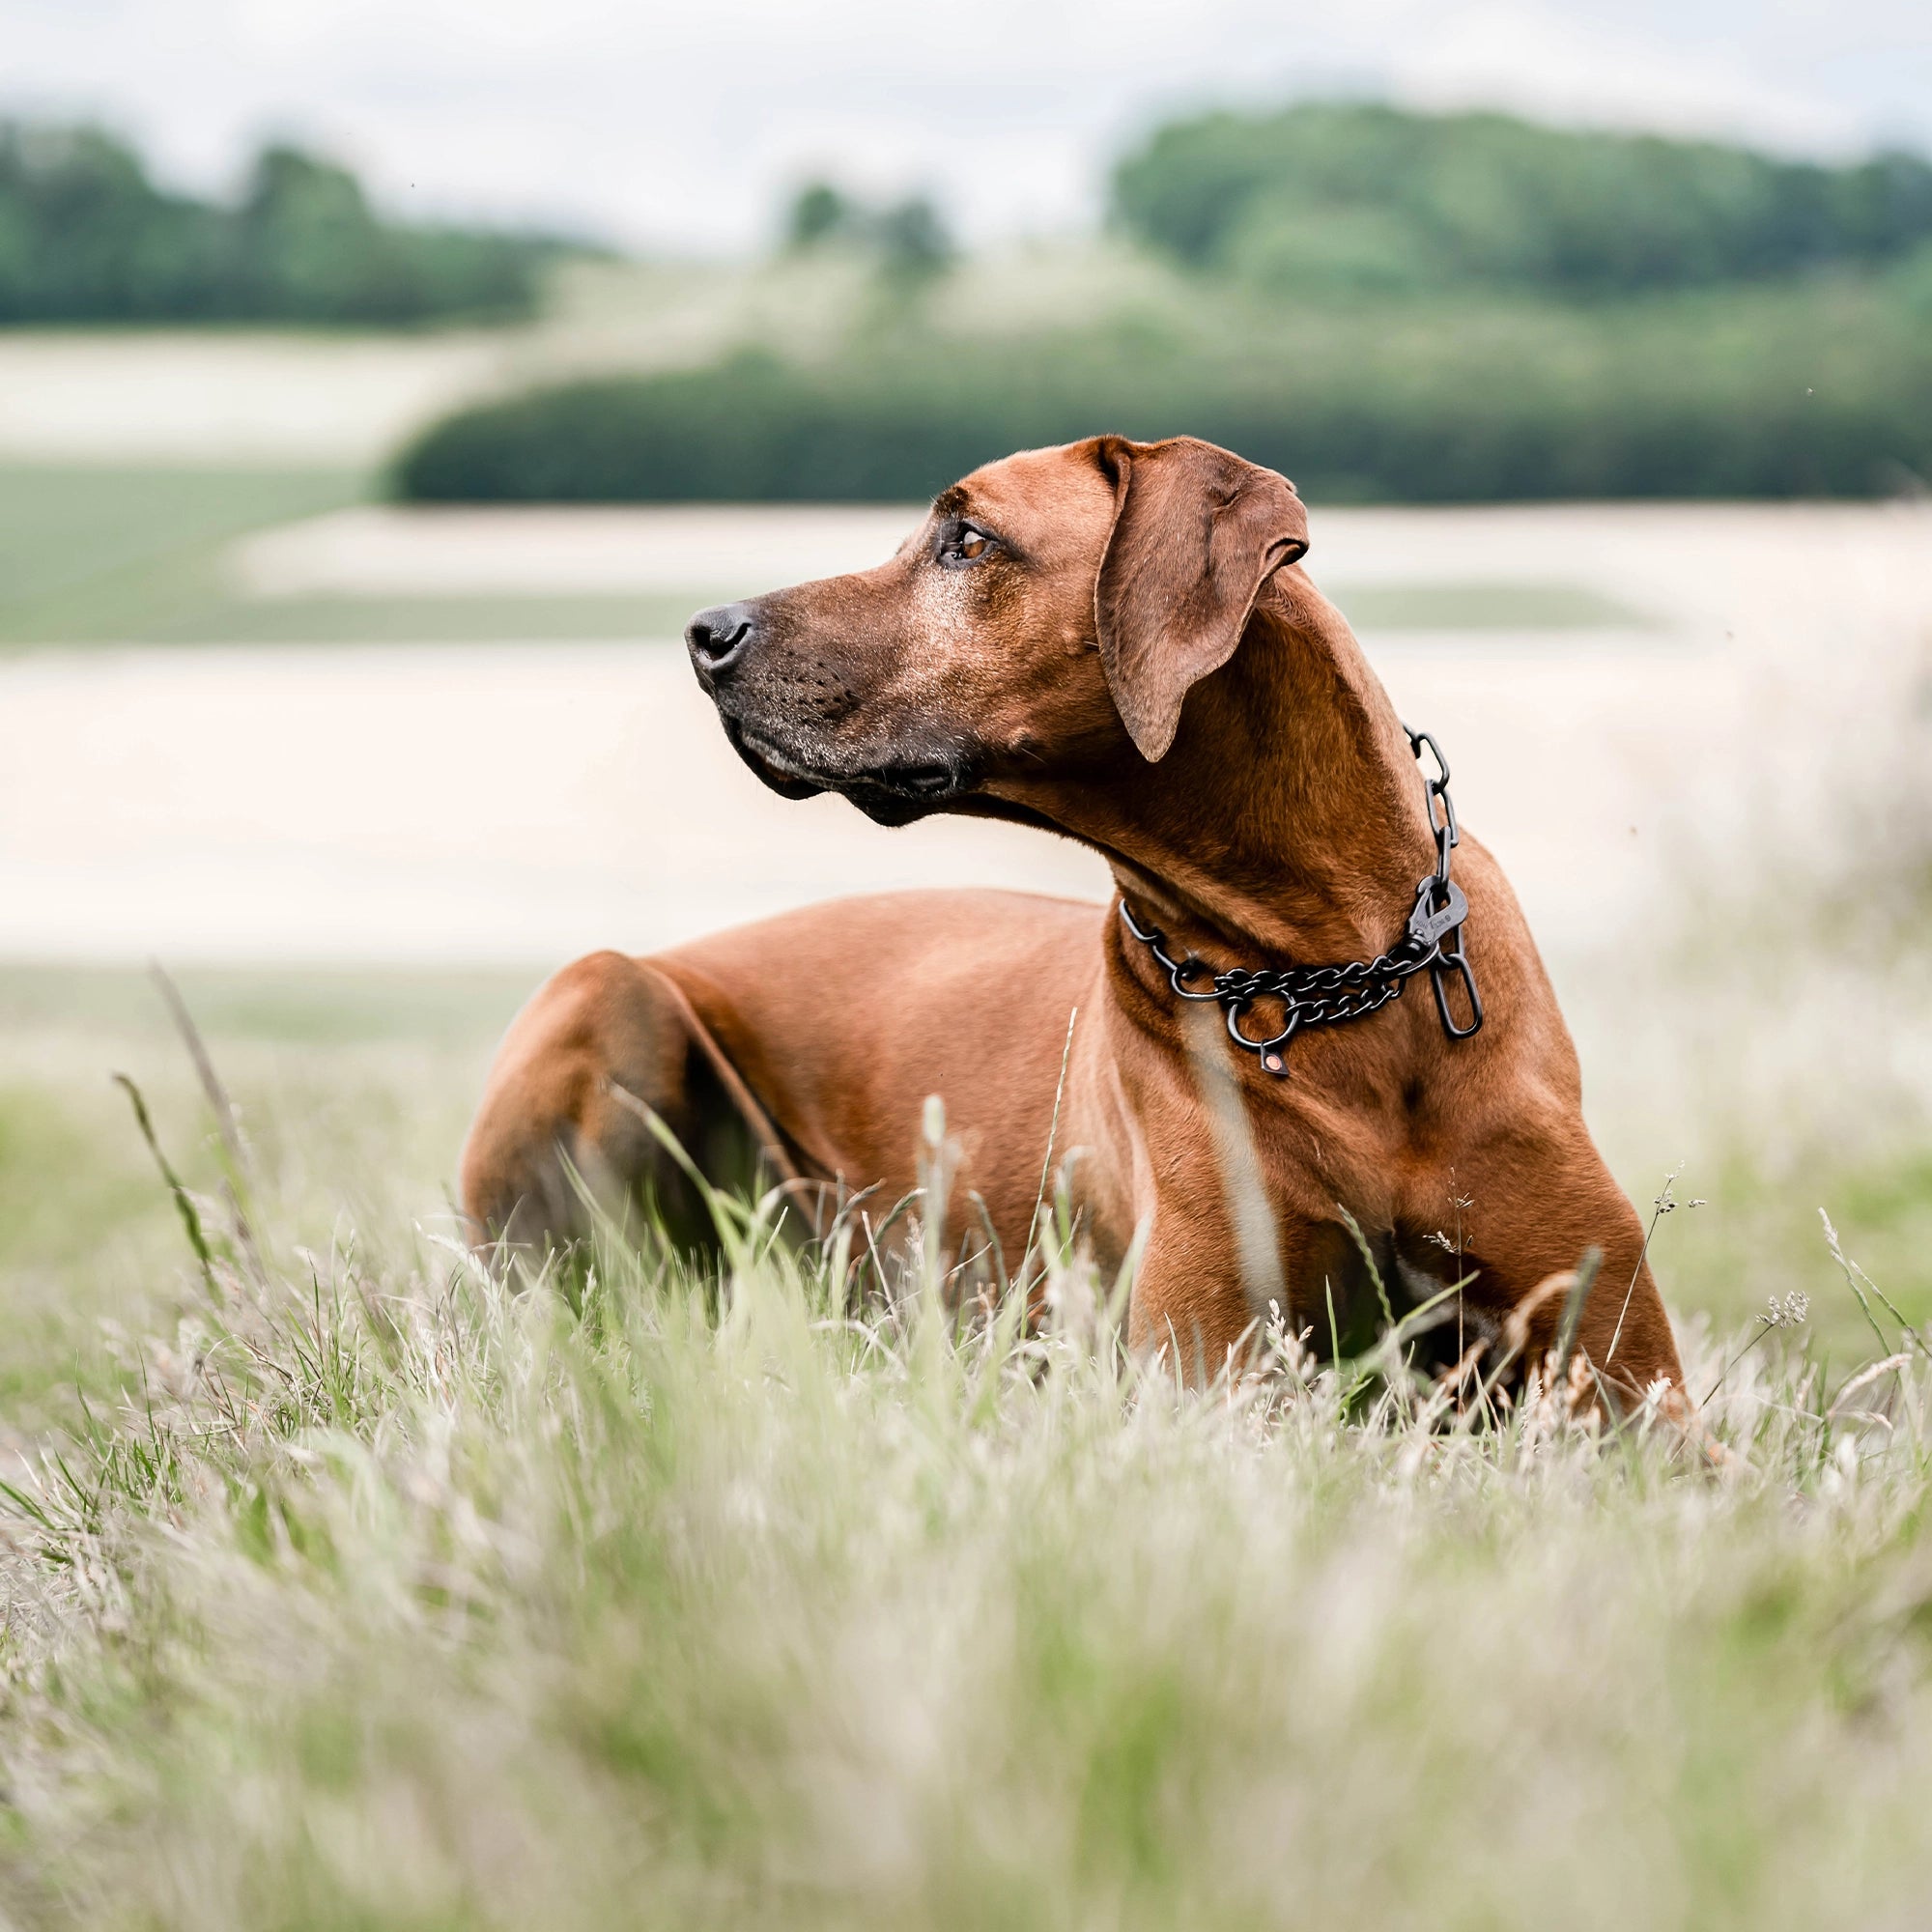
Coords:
716,638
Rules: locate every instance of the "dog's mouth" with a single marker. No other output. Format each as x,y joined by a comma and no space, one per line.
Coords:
892,793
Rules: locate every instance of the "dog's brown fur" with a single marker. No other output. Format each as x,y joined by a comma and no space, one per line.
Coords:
1136,661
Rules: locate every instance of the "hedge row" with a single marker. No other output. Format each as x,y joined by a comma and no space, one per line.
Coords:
1827,396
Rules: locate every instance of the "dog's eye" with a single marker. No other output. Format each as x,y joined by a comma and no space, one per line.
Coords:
963,544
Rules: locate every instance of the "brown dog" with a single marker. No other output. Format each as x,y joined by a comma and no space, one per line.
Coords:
1112,641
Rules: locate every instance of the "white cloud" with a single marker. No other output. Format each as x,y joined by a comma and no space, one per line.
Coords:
1566,67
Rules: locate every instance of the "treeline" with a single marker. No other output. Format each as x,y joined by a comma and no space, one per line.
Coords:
908,237
1384,306
1329,198
1824,391
85,236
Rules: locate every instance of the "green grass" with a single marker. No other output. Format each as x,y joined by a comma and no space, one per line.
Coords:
1762,1228
101,554
352,1085
367,1592
434,619
396,1597
111,1005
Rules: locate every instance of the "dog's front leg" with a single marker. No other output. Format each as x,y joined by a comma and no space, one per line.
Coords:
1530,1211
1199,1304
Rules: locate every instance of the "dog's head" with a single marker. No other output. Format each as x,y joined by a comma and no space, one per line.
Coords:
1051,612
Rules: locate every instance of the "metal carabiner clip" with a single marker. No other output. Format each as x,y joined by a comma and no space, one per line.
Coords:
1439,973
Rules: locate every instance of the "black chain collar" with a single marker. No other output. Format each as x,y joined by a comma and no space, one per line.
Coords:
1327,995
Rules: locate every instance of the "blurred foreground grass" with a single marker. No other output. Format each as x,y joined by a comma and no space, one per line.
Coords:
387,1597
355,1085
346,1588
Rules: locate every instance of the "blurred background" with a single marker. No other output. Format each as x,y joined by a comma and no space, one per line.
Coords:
380,387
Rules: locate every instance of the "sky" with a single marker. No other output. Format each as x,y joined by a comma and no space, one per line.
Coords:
682,128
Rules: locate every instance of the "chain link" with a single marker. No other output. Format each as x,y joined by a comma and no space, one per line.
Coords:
1313,996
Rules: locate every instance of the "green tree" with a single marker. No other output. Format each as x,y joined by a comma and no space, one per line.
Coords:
912,238
1329,196
86,237
819,214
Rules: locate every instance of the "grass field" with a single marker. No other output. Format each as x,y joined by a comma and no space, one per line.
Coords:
93,551
357,1085
347,1588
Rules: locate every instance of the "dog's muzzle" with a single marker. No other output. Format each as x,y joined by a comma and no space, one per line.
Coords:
904,783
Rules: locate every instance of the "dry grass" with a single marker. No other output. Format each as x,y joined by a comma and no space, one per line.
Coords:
387,1594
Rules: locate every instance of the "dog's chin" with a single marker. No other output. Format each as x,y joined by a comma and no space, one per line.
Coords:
894,793
769,766
890,808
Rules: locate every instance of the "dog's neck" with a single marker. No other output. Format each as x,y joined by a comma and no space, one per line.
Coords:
1286,822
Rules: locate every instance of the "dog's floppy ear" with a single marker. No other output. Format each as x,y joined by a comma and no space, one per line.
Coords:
1197,532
